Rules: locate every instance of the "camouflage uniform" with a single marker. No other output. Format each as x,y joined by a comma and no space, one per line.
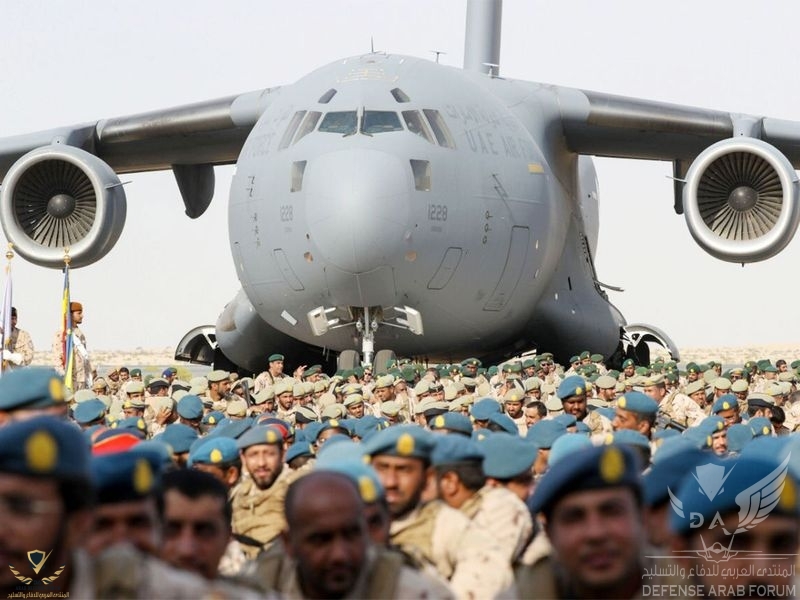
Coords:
461,552
82,368
19,342
681,409
500,511
597,423
258,513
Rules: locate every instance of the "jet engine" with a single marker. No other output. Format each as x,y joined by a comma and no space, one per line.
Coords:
741,200
58,197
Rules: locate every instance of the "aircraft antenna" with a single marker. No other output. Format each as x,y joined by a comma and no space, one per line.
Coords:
437,53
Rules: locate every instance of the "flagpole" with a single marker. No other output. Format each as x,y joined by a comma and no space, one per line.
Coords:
6,309
67,324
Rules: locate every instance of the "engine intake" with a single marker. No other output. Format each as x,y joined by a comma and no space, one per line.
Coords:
60,196
741,200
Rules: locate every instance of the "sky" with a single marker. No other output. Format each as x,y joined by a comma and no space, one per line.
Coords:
66,62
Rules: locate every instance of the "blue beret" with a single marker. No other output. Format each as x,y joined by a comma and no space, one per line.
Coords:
480,435
43,446
663,434
336,440
231,429
711,425
260,434
297,450
589,469
213,451
135,424
699,437
213,418
607,412
581,427
124,476
566,420
364,476
88,411
31,387
760,426
574,385
343,425
190,407
504,422
630,437
565,446
179,437
544,433
312,431
725,402
342,449
738,437
452,449
637,402
720,490
159,449
506,456
671,464
452,421
485,408
366,425
401,440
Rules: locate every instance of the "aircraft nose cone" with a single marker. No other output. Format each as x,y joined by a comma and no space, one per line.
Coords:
357,207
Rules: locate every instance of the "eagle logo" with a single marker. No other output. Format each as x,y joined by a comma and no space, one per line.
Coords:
755,503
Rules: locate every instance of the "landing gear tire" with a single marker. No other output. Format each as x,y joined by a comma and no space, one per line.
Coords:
348,360
382,360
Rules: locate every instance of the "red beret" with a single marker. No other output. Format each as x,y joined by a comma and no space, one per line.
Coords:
73,306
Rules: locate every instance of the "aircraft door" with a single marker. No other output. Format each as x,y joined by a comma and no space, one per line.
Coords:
512,271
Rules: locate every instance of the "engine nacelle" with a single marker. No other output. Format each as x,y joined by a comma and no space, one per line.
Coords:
741,200
58,197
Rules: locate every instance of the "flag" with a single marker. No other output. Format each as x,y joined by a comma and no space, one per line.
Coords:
5,312
66,333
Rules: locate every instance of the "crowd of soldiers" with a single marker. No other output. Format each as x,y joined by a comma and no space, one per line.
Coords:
528,479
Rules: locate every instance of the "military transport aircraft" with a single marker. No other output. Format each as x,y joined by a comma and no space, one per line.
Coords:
390,203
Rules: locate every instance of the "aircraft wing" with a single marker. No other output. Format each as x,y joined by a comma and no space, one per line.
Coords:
618,126
210,132
61,189
734,174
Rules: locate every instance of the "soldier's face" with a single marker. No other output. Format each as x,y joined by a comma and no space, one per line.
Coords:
719,443
32,517
328,541
576,405
597,537
196,532
276,367
625,419
356,410
77,317
133,522
403,479
656,392
514,409
286,400
731,416
532,416
608,394
383,394
263,462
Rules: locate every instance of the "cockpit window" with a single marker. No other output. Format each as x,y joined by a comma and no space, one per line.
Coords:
416,124
343,122
326,97
380,121
400,95
440,129
309,123
290,130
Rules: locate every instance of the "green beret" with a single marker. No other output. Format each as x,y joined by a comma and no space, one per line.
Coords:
585,354
694,387
596,358
274,357
575,359
628,362
471,362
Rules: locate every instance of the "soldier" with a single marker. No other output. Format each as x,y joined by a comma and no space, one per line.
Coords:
606,389
196,519
431,531
637,412
285,400
272,375
258,500
512,402
535,411
18,350
572,392
686,409
81,366
329,554
219,386
593,518
727,408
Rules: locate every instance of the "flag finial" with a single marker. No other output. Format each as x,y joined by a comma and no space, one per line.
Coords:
67,258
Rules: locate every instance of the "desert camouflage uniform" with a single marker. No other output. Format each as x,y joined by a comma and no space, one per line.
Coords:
82,368
681,409
19,342
462,553
597,423
500,511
